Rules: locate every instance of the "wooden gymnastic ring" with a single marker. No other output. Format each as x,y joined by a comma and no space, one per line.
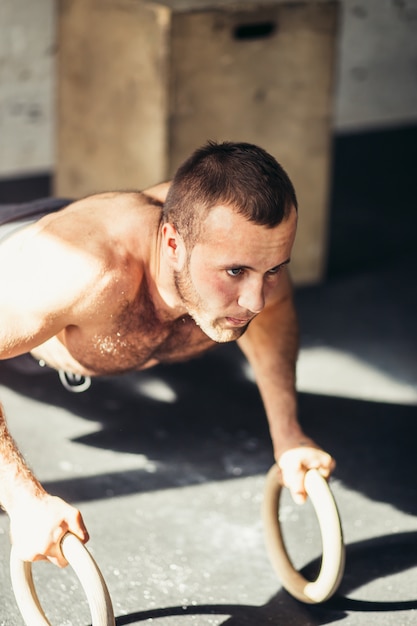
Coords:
333,559
88,574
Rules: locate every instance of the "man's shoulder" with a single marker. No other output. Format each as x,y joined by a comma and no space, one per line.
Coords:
104,214
119,199
101,241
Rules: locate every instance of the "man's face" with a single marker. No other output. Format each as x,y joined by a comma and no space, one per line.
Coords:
233,271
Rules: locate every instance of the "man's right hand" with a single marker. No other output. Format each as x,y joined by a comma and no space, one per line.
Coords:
38,524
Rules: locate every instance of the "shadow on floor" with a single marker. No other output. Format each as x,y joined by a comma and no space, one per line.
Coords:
217,423
368,560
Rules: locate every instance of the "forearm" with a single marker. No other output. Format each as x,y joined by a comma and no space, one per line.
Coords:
16,479
38,520
271,346
272,349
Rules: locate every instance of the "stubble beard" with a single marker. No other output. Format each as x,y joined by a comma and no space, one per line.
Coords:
198,311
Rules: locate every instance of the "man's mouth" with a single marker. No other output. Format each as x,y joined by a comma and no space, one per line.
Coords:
236,321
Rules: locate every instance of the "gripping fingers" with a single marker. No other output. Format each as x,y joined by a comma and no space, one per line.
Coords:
294,464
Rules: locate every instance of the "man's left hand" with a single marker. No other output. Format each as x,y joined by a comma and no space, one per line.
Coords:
295,462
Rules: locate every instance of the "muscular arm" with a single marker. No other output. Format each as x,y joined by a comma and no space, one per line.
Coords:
38,520
36,302
271,347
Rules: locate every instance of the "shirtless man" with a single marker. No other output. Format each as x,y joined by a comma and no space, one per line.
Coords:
118,282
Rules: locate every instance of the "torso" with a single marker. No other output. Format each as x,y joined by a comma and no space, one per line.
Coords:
136,340
132,337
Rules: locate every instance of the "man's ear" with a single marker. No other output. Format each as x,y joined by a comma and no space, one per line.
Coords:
174,247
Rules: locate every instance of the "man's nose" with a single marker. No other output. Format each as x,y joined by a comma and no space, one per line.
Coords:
252,297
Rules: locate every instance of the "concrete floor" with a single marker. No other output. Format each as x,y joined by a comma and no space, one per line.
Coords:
168,469
168,466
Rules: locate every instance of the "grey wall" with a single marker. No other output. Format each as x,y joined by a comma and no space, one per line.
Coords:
377,65
376,82
27,39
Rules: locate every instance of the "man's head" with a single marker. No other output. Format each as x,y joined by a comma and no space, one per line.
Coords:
229,225
239,175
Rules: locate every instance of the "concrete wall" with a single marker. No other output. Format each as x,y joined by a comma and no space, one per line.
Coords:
376,77
27,54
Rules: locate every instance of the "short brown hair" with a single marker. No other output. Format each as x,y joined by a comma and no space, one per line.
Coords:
240,175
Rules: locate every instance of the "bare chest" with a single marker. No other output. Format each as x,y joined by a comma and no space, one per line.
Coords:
130,338
125,347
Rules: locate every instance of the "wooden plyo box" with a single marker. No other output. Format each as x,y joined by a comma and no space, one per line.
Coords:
141,84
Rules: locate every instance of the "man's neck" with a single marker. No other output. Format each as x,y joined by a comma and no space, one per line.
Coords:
161,282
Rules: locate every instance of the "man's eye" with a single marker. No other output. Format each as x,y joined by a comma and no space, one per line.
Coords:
275,270
234,271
